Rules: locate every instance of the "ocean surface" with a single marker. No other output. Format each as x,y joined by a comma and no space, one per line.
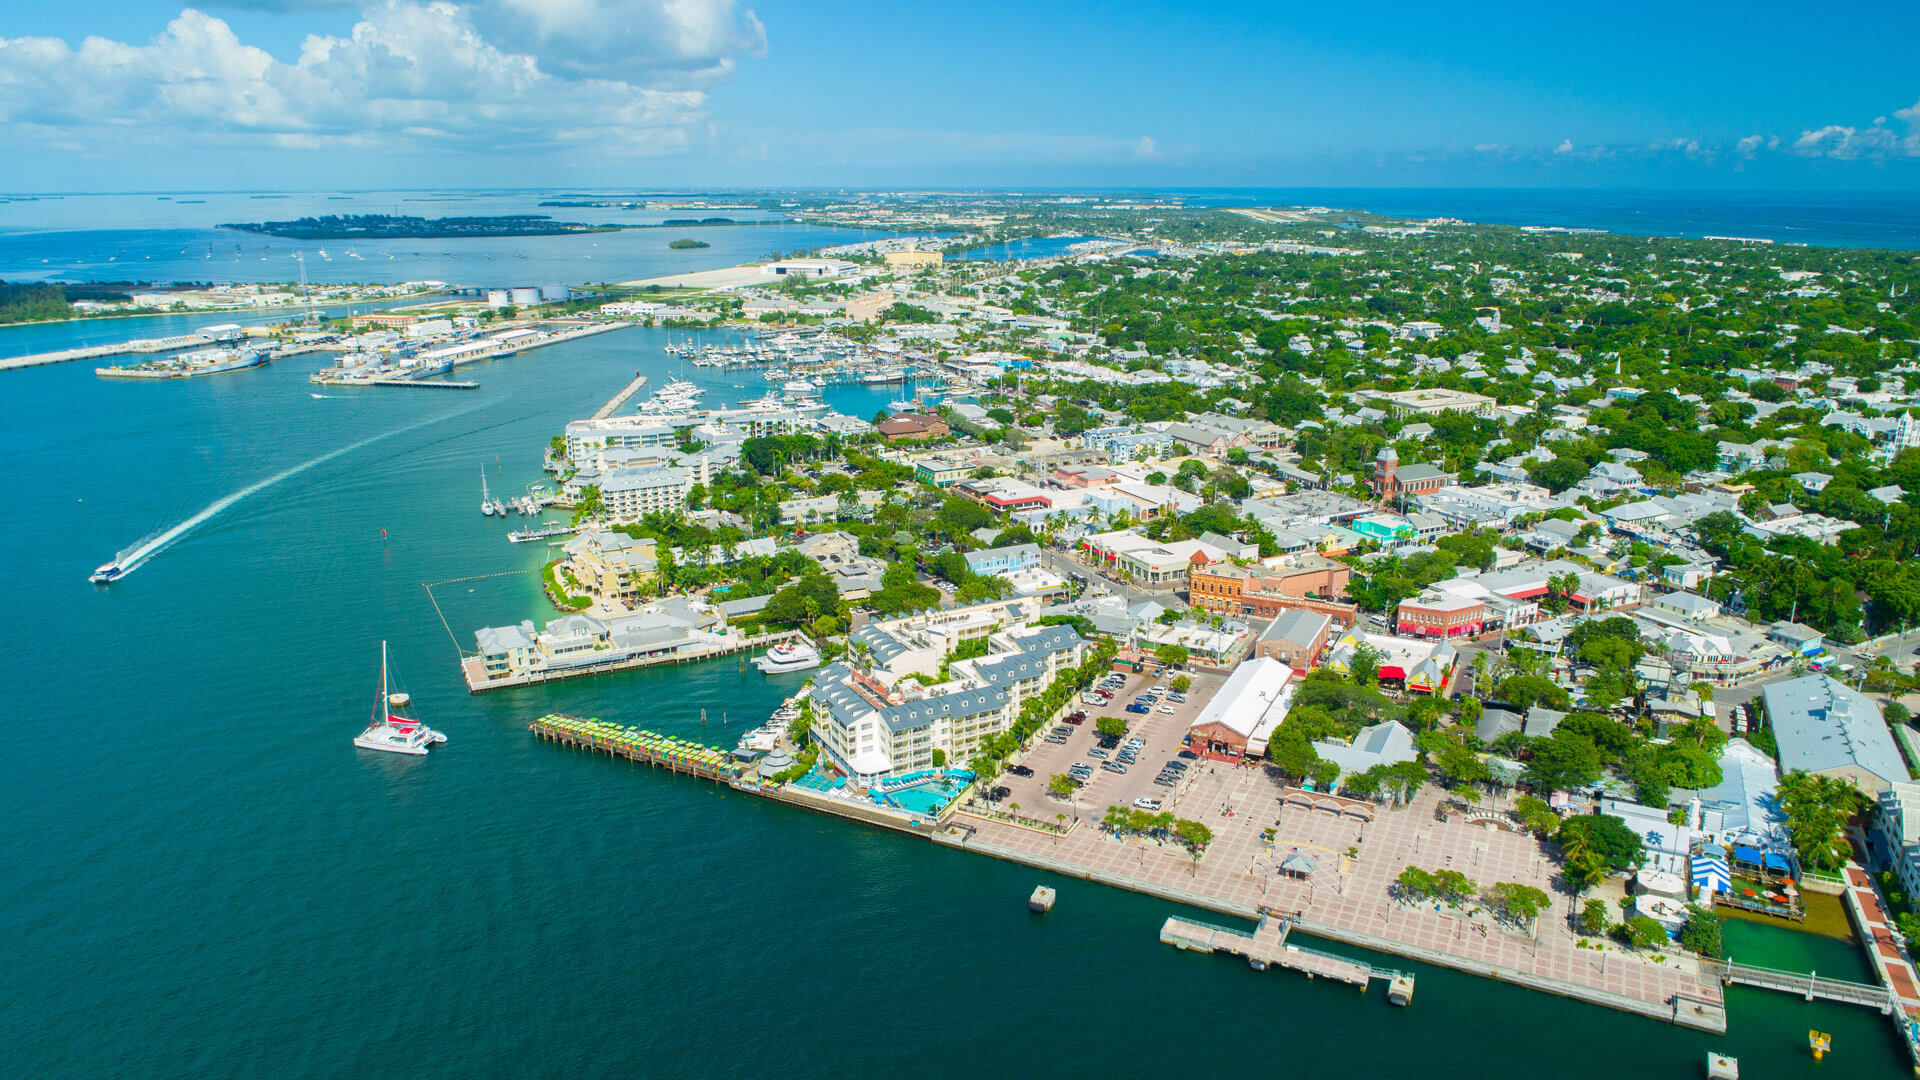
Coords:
1848,219
156,238
204,879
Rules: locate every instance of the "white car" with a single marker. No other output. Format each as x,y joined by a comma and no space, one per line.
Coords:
1144,803
1168,709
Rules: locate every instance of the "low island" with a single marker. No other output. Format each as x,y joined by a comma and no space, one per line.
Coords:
400,226
685,244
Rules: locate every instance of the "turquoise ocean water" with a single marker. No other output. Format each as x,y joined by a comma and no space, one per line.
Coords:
204,879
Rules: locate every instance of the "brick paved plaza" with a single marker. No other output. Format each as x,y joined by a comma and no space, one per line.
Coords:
1347,896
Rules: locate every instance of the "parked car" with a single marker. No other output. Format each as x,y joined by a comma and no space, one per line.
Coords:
1115,767
1096,752
1138,708
1020,770
1145,803
1180,699
1000,793
1189,755
1179,766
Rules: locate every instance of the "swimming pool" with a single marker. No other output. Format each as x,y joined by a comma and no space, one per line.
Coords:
926,794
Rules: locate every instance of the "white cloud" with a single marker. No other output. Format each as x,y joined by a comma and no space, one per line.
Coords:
1565,147
698,41
1844,143
1145,148
409,75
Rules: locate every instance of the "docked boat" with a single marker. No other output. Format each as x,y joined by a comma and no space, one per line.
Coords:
392,730
189,365
788,656
522,536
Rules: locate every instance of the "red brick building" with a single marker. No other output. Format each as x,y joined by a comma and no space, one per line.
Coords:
912,426
1441,616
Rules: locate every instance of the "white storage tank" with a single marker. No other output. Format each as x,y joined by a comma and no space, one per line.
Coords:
552,293
524,297
497,299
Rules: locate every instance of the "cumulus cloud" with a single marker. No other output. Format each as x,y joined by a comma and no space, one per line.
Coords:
1565,147
408,75
1877,140
1146,148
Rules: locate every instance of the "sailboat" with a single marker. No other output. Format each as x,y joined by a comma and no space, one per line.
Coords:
392,730
486,500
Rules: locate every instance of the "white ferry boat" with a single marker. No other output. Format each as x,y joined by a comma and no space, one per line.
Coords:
392,730
788,656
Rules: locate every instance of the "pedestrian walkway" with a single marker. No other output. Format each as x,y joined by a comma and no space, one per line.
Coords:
1890,961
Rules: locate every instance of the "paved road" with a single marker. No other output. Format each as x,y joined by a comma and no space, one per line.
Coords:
1064,563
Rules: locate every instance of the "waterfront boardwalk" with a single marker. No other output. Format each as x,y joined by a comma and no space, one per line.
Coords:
1350,899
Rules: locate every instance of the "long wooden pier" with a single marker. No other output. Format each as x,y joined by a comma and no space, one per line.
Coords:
1267,947
636,744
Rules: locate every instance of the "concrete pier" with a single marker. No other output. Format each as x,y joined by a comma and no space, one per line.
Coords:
613,403
1267,947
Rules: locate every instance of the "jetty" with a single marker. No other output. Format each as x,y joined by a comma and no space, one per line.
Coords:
637,744
1267,947
95,352
613,403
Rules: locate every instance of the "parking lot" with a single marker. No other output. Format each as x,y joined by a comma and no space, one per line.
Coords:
1161,733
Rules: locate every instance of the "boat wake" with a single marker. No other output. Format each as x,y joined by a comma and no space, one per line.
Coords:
134,557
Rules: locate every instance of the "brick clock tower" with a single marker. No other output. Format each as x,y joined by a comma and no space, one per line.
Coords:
1384,467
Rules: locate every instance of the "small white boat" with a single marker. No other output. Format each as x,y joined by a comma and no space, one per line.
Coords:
486,500
392,730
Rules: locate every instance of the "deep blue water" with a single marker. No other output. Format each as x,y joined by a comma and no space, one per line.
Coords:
148,238
204,879
1822,219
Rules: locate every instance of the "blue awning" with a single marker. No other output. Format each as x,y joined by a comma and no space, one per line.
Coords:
1710,873
1752,856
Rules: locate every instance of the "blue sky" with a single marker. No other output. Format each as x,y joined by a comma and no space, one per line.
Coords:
141,94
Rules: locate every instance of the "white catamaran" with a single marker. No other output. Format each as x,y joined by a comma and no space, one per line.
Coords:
392,730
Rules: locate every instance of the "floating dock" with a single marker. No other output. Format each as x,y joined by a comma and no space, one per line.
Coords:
1267,947
425,384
